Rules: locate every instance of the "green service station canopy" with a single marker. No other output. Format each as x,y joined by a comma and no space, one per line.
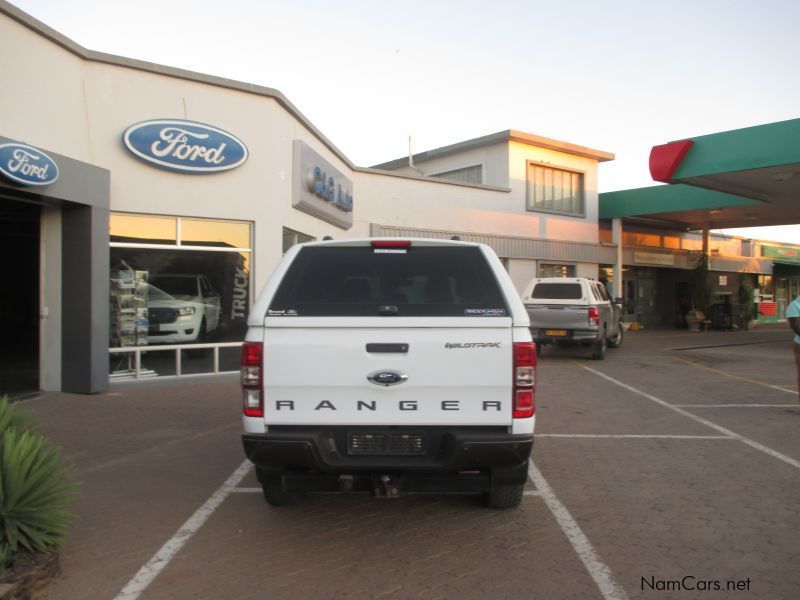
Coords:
742,178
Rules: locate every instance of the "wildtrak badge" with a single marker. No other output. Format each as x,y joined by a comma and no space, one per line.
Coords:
451,346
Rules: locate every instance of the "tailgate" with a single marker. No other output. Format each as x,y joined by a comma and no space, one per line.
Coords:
558,316
420,375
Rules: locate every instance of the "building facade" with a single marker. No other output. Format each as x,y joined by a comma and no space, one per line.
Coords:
149,204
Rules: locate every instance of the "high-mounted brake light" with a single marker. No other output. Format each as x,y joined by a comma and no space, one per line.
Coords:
252,379
391,244
594,316
524,379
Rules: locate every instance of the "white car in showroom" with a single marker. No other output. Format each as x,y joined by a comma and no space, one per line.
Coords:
182,309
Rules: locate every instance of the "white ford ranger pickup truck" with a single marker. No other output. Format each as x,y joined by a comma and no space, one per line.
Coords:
389,365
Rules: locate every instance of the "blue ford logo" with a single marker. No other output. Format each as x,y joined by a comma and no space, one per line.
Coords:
185,146
387,377
27,165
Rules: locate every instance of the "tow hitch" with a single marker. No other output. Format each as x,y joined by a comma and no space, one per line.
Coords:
385,487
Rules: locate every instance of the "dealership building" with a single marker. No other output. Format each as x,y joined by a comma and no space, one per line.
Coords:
143,206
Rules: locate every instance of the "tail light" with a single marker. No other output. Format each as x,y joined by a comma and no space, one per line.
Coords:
594,316
252,379
524,379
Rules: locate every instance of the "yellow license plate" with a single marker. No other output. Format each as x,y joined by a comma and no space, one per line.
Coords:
555,332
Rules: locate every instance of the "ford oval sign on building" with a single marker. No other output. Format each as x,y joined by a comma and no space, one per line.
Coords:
185,146
27,165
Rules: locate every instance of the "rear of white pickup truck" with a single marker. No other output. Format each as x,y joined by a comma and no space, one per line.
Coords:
389,366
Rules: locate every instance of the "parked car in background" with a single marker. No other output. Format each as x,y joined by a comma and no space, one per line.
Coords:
573,310
182,309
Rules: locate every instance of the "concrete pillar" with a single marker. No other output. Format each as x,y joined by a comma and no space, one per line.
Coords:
84,299
616,238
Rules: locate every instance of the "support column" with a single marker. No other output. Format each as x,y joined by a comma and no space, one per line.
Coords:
84,299
705,238
616,237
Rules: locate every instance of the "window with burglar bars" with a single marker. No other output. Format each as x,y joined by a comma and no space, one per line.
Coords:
555,190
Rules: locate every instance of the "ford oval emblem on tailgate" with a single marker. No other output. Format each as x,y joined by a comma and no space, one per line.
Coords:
387,377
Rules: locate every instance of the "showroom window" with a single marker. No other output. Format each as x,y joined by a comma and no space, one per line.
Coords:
177,281
555,270
555,190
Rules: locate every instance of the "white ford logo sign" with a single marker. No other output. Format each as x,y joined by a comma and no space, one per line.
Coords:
185,146
27,165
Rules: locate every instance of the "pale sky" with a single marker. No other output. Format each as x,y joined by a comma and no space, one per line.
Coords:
620,76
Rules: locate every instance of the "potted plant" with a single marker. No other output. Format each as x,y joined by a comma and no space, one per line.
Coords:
746,301
35,490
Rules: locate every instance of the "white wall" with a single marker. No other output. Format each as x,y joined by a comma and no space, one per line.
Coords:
521,272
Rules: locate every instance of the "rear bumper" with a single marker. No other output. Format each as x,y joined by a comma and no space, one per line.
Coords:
447,451
573,336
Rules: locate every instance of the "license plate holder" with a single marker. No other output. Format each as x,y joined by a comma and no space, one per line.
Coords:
556,332
386,443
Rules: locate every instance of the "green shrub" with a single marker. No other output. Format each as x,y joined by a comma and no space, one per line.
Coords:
35,488
701,285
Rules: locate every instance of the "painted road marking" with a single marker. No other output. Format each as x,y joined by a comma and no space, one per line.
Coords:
601,574
753,444
736,405
161,559
246,490
635,436
732,376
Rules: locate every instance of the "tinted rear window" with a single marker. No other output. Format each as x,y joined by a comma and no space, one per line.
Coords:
557,291
357,281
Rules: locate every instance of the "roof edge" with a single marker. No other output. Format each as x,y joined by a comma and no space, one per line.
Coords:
66,43
509,135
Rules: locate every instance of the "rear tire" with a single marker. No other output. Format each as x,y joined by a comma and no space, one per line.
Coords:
616,341
504,496
599,348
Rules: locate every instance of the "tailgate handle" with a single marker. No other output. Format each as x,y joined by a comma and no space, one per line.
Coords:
386,348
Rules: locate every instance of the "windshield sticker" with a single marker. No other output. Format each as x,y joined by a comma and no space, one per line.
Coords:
485,312
282,313
389,251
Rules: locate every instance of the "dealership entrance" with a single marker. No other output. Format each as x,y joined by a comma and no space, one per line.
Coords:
19,298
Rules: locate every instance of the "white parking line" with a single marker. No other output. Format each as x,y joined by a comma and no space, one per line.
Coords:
736,405
246,490
161,559
635,436
601,574
761,447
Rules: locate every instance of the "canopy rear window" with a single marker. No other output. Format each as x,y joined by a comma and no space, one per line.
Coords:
557,291
411,282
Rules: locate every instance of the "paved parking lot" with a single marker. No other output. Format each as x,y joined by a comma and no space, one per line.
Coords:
668,470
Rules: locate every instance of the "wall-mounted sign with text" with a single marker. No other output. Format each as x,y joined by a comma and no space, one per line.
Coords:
318,188
784,252
185,146
654,258
27,165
